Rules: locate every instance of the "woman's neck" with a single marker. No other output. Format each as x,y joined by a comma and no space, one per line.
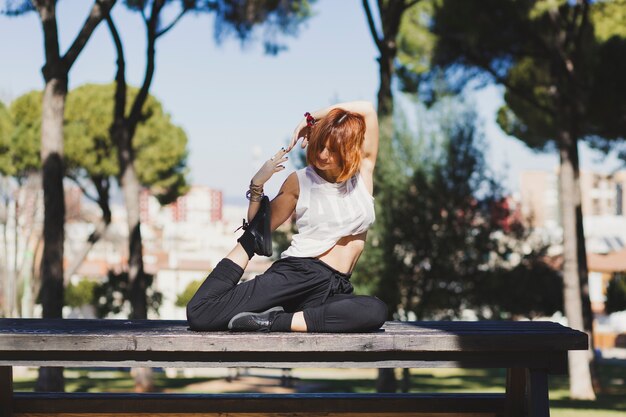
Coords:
327,176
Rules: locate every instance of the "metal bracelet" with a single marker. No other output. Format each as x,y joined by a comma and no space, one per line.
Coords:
256,187
254,196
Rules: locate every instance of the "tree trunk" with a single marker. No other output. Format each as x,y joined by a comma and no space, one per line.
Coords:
102,185
4,221
14,277
79,258
122,131
55,73
30,231
388,291
582,264
51,293
579,361
131,188
35,278
29,215
385,95
390,16
136,275
386,381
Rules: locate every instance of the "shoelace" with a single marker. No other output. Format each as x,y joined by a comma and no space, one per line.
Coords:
244,226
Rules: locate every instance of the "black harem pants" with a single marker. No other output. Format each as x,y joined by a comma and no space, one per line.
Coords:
309,285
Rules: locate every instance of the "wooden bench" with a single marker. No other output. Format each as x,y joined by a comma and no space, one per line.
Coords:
528,350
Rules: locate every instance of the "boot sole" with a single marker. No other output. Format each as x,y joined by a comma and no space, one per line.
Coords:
246,313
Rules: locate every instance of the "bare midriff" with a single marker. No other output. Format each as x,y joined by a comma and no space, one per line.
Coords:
346,252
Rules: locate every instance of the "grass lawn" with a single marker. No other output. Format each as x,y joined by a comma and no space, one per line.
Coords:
611,400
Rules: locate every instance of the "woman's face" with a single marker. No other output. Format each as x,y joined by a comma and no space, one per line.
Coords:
328,161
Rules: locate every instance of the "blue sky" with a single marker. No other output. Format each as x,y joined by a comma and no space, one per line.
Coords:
238,106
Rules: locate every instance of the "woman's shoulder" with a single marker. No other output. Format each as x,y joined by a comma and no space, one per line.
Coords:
292,184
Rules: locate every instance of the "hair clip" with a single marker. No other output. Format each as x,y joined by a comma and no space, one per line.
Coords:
310,120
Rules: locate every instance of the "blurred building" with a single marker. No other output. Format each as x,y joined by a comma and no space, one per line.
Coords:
540,198
604,216
201,205
182,241
602,196
602,267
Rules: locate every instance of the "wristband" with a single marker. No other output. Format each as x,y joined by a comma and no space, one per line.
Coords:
255,193
255,197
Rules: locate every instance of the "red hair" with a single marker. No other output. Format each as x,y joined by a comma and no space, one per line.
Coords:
342,132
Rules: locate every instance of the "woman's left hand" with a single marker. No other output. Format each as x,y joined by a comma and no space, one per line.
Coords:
270,167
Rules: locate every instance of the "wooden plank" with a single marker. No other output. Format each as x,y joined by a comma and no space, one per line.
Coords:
516,392
174,336
259,403
173,326
123,414
552,361
6,391
538,393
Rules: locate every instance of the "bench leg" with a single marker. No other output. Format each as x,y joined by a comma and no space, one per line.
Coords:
538,404
516,392
6,391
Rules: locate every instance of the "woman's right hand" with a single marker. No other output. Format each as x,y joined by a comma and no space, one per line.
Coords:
301,132
270,167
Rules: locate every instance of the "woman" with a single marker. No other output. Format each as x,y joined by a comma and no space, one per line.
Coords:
308,289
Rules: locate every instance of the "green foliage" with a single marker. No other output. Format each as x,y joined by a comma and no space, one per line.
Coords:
610,374
530,289
415,40
241,19
281,239
562,69
616,293
607,103
80,294
161,157
184,297
17,7
368,276
448,240
6,130
25,141
415,47
609,19
113,295
88,117
160,146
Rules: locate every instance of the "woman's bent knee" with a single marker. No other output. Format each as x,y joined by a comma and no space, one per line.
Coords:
193,318
377,314
197,318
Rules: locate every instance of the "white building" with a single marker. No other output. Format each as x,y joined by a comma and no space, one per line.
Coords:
182,242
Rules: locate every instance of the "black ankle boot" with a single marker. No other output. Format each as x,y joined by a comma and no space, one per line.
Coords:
254,322
257,237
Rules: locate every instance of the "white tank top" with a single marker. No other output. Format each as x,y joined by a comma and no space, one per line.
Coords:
326,212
